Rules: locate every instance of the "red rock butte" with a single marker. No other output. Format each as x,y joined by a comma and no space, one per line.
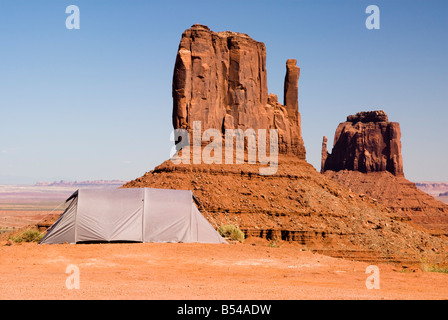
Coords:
366,158
366,142
220,79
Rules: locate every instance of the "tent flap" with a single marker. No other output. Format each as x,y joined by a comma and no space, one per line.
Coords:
63,230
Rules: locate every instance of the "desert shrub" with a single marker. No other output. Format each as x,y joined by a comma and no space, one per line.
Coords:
27,236
273,244
231,232
433,267
429,265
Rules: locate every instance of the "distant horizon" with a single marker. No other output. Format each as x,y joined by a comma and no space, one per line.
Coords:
75,182
125,181
95,103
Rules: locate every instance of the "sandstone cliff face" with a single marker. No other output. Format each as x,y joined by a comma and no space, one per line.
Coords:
220,79
366,142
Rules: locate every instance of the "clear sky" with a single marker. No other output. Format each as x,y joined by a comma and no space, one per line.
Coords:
95,103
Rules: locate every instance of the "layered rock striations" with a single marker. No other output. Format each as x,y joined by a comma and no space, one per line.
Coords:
366,142
220,79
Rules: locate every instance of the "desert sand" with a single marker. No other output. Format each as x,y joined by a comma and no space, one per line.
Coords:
252,270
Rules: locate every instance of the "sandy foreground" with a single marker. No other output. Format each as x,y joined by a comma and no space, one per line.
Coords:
198,271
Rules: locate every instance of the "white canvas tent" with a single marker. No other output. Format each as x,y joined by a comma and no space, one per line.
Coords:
131,215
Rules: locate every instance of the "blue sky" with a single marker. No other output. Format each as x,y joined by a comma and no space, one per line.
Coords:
96,103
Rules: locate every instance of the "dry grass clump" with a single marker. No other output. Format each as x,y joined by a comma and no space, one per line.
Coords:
27,236
231,232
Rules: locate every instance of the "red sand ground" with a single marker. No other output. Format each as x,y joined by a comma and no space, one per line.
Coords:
252,270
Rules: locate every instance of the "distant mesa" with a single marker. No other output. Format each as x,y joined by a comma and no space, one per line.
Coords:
366,142
220,79
435,189
93,183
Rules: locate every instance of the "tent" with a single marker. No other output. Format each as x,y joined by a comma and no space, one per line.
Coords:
131,215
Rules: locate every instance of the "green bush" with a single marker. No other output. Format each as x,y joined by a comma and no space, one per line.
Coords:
28,236
231,232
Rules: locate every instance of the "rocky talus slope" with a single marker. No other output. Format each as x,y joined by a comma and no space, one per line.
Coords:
296,204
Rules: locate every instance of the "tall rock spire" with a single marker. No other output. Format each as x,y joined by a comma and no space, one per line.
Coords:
220,79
